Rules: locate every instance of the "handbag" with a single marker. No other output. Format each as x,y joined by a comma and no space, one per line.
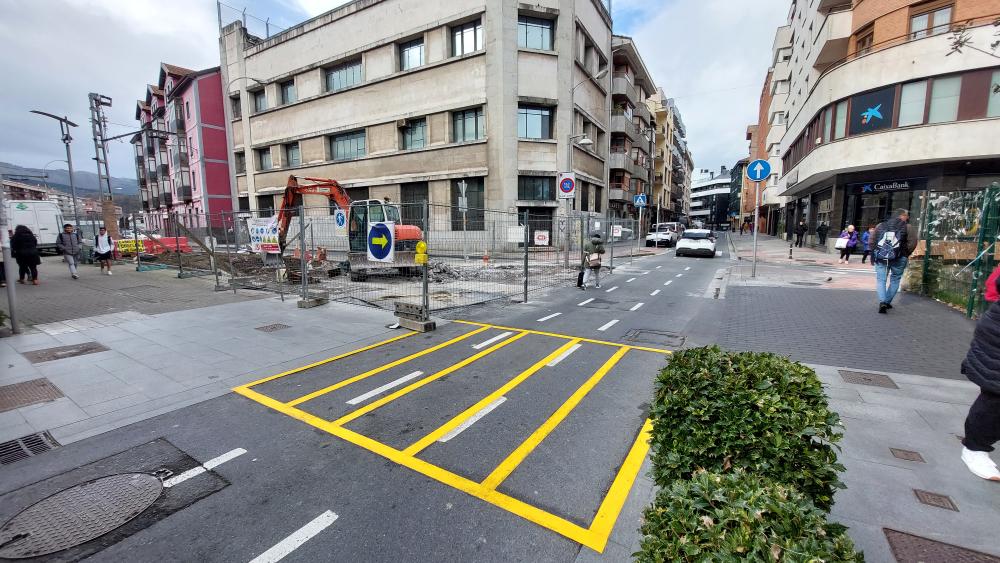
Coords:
841,244
594,260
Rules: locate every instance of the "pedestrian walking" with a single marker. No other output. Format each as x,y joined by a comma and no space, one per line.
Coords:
24,248
71,247
866,243
593,250
104,247
3,272
743,227
800,232
891,248
846,243
982,367
821,232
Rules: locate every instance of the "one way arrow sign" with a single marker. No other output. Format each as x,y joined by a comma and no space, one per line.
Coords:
759,170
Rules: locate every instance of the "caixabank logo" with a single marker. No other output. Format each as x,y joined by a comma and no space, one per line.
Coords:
872,111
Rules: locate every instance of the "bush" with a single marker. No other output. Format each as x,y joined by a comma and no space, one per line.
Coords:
761,412
739,517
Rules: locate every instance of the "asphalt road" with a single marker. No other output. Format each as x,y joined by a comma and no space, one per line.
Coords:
515,437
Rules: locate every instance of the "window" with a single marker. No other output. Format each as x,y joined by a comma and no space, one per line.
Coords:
236,106
467,38
347,146
475,217
243,203
468,125
865,41
597,198
584,196
933,22
264,159
944,99
534,122
287,92
187,109
265,202
292,155
828,125
240,159
259,101
343,76
911,103
411,55
536,188
414,135
534,33
993,106
840,123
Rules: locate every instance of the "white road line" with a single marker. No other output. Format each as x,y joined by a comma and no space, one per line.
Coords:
584,302
547,317
636,306
210,464
658,267
609,325
472,419
630,280
281,549
655,293
501,336
669,282
612,289
678,275
384,388
564,355
688,268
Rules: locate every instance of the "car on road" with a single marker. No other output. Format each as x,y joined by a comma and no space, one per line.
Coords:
664,234
697,242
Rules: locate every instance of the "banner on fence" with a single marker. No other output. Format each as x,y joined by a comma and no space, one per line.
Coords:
128,246
541,238
264,234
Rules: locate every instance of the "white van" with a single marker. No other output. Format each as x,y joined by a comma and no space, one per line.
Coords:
43,218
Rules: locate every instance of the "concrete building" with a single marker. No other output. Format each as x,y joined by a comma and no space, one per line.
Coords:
710,197
405,99
181,154
877,115
632,136
671,160
737,186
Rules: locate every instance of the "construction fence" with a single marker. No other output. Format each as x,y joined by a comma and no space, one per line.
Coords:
474,255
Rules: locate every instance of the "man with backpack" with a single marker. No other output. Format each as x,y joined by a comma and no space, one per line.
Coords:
891,248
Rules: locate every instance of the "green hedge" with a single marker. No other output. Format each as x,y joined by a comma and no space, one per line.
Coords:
761,412
739,517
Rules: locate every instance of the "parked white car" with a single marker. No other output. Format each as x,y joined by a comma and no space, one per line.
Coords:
697,242
664,234
43,218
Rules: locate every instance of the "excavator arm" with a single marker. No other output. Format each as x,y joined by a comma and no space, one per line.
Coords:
314,186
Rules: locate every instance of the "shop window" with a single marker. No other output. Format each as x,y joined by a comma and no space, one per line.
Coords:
912,100
945,93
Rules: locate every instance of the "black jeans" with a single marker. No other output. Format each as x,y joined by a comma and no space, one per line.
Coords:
866,255
798,239
30,270
845,253
982,426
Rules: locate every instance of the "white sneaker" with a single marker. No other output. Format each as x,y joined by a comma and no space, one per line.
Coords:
109,272
980,464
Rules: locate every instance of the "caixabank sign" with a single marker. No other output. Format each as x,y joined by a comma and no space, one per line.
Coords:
873,111
904,185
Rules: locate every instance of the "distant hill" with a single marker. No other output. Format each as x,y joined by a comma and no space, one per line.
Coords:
85,181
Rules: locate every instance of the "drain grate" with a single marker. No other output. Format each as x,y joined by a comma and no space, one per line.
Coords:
60,352
935,499
908,455
272,327
865,378
25,447
27,393
659,337
908,548
78,514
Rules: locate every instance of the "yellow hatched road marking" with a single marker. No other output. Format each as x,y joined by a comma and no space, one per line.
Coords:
613,502
508,465
467,413
328,360
569,336
380,369
418,384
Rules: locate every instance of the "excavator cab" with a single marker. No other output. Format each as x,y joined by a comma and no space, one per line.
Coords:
362,214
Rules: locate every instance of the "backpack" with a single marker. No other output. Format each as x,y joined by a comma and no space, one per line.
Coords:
887,247
594,260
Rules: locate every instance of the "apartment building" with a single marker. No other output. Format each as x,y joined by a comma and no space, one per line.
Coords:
409,99
632,136
710,193
671,160
181,154
878,115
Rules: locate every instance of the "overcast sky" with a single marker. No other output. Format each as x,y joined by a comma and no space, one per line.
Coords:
711,55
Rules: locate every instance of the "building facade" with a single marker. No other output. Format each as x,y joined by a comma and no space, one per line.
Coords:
409,99
671,160
632,135
710,193
181,154
737,186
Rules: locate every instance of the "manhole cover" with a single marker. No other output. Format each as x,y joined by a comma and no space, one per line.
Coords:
60,352
78,514
804,283
908,548
908,455
272,327
26,393
662,338
935,499
865,378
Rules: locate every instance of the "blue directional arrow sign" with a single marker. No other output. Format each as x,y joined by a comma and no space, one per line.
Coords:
639,200
759,170
380,242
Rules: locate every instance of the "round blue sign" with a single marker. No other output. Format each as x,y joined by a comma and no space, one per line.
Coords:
379,241
341,218
567,185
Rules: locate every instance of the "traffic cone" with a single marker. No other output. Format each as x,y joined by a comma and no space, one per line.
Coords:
486,258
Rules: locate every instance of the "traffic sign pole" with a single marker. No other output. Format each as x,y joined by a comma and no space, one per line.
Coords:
756,225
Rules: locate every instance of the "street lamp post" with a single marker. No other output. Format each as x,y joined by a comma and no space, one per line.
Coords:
64,125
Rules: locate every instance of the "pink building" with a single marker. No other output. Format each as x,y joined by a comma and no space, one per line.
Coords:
181,157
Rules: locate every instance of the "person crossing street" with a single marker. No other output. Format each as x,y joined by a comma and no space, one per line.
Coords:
593,251
891,248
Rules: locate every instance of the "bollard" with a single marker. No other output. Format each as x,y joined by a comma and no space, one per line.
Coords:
790,250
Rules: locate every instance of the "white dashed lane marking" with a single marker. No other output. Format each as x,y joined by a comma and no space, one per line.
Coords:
210,464
482,345
584,302
678,275
688,268
386,387
630,280
669,282
636,306
472,419
564,355
547,317
608,325
655,293
299,537
612,289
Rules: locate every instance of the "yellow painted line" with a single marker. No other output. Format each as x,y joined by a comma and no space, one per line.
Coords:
380,369
508,465
467,413
613,502
569,336
328,360
420,383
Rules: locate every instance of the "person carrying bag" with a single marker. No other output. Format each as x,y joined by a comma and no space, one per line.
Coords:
593,250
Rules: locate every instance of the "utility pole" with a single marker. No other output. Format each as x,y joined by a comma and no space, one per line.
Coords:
8,263
64,125
98,126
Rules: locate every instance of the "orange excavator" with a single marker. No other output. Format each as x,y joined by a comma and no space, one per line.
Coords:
360,214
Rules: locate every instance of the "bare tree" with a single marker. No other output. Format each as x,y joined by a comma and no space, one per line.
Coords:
961,38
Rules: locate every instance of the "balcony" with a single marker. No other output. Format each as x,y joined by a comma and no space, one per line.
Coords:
151,174
619,161
620,86
624,125
154,202
168,199
184,193
180,158
833,39
141,180
164,170
177,123
642,112
658,154
619,194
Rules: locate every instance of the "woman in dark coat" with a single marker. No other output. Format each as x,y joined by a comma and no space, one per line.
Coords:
24,248
982,367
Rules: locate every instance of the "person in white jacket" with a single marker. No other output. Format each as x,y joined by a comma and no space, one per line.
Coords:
104,248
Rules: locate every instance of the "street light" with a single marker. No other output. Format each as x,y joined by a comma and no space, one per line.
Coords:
64,125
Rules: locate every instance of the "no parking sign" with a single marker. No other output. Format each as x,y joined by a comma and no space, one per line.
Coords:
567,186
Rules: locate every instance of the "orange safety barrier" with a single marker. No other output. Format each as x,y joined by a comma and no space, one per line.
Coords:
154,245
